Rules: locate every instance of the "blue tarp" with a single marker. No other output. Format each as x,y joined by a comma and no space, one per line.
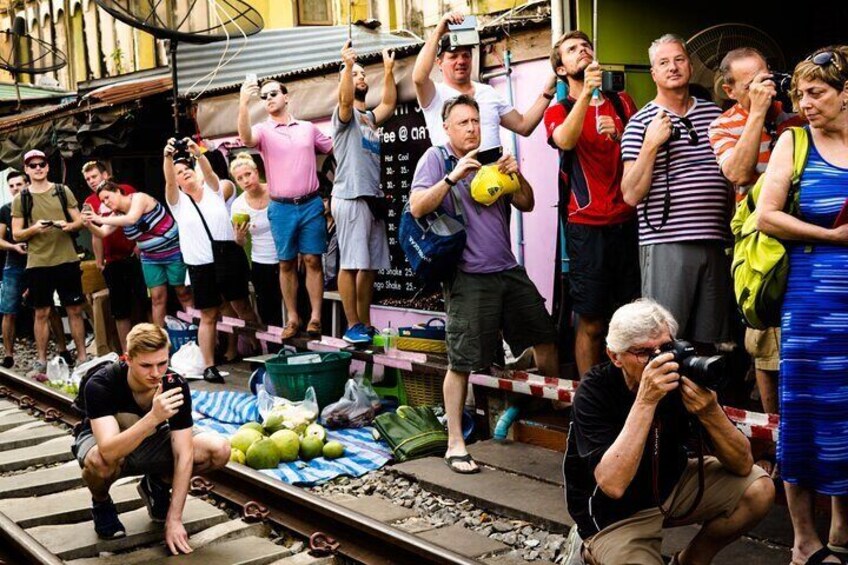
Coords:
224,412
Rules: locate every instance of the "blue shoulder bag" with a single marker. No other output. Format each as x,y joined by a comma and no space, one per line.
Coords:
433,244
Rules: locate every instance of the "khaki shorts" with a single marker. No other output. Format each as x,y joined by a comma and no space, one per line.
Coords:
638,540
764,347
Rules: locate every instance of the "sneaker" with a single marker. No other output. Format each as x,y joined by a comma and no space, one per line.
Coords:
212,375
68,357
156,495
372,331
38,368
106,522
8,362
357,334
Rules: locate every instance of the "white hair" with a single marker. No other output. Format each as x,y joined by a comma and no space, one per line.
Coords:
667,38
637,322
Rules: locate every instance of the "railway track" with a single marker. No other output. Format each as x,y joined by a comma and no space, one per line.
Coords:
235,515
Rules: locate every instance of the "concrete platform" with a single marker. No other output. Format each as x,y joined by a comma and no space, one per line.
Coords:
744,551
75,541
65,507
244,551
44,481
28,435
504,493
376,507
520,458
52,451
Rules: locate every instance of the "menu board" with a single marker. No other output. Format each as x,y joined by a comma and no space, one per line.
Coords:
404,140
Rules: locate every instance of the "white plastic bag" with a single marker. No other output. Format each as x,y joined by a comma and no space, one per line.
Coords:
81,370
354,409
188,361
57,370
307,408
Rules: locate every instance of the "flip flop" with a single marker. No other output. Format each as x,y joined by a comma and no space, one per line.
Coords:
452,460
839,550
819,556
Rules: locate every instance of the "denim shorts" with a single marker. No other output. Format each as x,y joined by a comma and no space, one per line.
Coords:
12,290
298,228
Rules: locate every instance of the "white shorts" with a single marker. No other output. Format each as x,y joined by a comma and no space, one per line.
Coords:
363,244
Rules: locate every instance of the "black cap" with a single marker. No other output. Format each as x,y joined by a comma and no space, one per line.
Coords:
445,45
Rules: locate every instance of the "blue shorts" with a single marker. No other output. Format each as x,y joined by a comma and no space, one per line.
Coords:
298,228
12,290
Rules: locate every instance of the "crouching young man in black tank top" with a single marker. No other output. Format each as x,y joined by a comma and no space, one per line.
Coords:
138,422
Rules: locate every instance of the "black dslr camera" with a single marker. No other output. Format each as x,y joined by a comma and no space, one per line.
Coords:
181,149
782,82
707,372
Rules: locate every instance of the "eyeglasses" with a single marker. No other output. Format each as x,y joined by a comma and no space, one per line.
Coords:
644,354
826,58
270,94
37,165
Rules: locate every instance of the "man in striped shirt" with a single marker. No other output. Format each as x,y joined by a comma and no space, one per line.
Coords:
683,201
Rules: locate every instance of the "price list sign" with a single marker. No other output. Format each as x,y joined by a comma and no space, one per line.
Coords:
404,140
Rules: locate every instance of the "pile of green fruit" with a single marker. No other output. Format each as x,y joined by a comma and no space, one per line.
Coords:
252,447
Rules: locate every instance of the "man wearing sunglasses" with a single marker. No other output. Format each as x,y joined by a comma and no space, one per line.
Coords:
627,470
296,212
45,217
683,201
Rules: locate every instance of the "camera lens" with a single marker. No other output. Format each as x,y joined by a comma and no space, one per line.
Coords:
707,372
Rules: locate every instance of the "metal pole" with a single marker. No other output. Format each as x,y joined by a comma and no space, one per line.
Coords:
173,49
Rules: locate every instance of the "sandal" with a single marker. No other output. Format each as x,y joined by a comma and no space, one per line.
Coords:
819,556
452,460
839,550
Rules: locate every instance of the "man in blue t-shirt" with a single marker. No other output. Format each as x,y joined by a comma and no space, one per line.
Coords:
138,422
358,204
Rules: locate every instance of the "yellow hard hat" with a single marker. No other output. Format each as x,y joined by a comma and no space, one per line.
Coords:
490,184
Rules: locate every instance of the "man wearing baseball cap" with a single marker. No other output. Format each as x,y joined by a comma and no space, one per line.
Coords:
45,216
455,63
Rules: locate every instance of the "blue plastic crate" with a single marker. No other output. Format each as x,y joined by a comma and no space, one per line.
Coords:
181,337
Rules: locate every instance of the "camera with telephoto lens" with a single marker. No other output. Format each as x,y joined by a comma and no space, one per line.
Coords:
782,82
708,372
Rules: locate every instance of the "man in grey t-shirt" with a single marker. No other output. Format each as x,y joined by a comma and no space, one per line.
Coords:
363,246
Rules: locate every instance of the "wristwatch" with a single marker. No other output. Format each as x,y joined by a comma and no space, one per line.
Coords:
548,95
448,181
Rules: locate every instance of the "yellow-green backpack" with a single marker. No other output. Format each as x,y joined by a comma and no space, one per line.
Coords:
760,265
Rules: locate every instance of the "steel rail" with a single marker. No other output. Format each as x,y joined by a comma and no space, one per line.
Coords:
359,537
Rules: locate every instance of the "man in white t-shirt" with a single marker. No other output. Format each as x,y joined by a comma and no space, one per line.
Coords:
456,64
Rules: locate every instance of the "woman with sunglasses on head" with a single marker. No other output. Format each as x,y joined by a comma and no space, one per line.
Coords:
217,266
813,447
250,217
145,221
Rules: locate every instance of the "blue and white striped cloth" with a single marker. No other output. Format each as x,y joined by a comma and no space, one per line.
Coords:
224,412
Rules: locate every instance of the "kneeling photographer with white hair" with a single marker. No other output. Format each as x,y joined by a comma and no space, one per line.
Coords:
628,473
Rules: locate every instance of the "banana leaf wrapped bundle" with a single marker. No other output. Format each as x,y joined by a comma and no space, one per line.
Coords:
412,432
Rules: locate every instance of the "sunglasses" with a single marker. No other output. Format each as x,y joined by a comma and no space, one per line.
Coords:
37,165
826,58
270,94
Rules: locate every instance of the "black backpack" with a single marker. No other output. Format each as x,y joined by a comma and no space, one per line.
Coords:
78,405
27,203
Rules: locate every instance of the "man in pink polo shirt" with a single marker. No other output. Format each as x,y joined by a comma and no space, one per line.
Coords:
296,212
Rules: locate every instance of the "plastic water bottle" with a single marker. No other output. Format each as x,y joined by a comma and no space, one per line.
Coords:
390,337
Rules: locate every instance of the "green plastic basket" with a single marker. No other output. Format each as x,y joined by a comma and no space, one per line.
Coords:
328,377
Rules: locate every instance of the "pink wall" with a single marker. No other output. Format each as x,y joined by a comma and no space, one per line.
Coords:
539,164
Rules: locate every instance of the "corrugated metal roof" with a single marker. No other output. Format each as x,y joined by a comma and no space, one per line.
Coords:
277,52
28,92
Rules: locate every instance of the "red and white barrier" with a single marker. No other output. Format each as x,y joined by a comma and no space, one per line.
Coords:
754,425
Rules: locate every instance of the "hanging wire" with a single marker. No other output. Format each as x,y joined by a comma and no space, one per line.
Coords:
211,75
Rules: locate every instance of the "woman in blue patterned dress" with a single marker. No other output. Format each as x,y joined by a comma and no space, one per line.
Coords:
813,444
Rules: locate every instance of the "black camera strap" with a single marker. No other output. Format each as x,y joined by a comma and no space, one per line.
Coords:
671,521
